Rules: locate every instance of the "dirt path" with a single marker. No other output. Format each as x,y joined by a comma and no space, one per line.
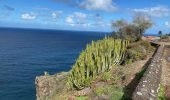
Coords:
166,72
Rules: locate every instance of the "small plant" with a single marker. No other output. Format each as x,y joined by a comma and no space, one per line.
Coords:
116,78
106,76
100,90
81,98
114,93
128,61
161,93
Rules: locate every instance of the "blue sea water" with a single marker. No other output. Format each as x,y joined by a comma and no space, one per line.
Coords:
27,53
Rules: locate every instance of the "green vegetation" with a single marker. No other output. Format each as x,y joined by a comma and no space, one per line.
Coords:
106,76
112,83
161,93
81,98
97,58
100,90
138,51
165,36
132,31
113,93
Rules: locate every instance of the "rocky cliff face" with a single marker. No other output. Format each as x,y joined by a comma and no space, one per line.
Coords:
47,86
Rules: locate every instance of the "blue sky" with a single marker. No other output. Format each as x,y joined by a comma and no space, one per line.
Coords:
88,15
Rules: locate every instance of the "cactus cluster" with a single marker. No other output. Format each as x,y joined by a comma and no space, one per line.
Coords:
97,58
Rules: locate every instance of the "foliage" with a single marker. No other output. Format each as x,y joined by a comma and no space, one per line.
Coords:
128,61
106,76
138,51
161,93
132,31
100,90
119,24
114,93
135,54
143,22
81,98
97,58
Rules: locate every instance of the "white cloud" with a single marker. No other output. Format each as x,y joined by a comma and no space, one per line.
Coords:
157,11
28,16
167,24
77,18
104,5
80,15
56,14
70,20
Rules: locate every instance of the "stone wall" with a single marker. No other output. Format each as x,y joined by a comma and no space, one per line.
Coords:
148,86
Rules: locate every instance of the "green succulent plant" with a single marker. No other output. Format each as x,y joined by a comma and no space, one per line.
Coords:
97,58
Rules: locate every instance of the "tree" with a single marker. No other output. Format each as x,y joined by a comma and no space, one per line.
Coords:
143,22
119,24
132,31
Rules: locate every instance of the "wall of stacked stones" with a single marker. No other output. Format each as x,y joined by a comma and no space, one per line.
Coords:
149,84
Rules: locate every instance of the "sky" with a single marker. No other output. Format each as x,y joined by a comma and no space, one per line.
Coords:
81,15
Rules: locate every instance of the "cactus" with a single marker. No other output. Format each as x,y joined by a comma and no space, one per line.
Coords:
97,58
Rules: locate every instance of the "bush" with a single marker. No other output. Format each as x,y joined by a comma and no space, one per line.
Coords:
81,98
138,51
161,93
135,54
106,76
100,90
97,58
114,93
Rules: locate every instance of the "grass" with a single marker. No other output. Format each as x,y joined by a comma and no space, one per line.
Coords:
161,93
81,98
106,76
113,93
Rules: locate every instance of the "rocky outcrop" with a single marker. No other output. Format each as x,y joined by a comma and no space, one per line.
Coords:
48,85
148,86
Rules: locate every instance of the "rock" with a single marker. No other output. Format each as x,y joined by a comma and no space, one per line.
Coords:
152,91
83,92
47,86
139,93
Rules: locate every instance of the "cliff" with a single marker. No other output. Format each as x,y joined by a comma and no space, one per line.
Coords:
49,85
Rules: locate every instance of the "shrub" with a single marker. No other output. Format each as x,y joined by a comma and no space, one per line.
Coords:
138,51
81,98
114,93
100,90
106,76
97,58
161,93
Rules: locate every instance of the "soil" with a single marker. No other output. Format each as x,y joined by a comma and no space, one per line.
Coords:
166,72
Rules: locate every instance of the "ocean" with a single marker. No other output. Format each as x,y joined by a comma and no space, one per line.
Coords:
27,53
